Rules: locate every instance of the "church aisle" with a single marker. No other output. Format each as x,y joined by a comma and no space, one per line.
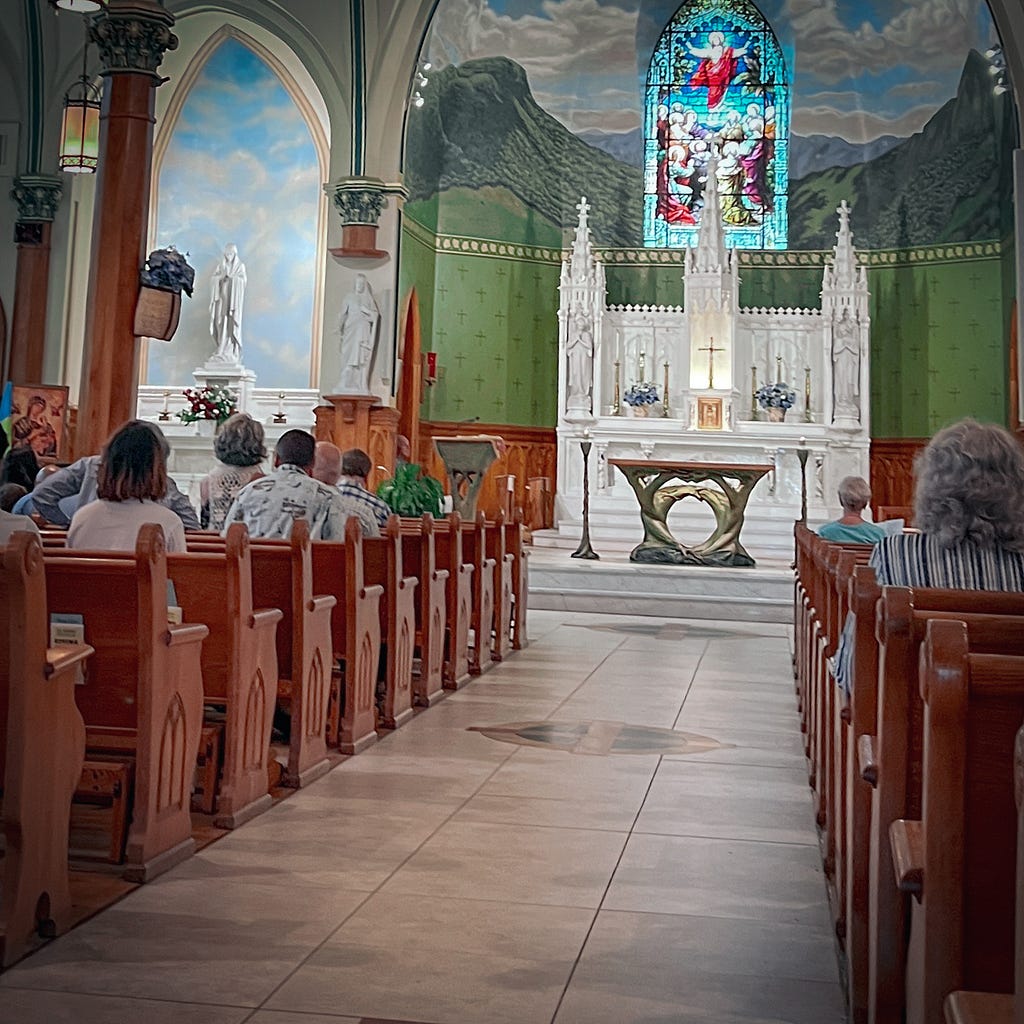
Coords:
449,877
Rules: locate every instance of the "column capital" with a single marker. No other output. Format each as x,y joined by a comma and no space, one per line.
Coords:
133,36
361,200
37,196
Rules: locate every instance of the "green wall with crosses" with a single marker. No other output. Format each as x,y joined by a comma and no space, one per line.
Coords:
940,321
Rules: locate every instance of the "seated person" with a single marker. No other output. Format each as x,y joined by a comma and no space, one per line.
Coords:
270,505
25,505
852,527
131,481
80,480
10,495
13,524
347,474
19,466
240,452
969,509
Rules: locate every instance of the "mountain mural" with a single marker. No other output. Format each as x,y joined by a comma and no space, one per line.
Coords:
483,159
948,183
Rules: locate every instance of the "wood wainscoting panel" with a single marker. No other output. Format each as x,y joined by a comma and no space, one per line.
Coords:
530,452
892,469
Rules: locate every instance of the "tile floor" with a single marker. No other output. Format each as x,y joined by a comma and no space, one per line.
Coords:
449,878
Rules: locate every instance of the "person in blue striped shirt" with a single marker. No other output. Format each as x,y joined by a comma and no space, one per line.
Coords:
969,512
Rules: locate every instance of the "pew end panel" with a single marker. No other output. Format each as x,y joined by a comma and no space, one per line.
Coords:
42,736
419,549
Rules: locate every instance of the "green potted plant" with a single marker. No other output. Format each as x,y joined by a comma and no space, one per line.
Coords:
410,493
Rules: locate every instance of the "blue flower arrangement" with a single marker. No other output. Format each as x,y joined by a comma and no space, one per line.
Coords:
644,393
775,396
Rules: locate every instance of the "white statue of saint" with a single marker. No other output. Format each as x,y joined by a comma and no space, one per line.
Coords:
579,351
227,295
358,325
846,369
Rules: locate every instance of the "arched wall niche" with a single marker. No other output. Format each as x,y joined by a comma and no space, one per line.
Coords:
301,89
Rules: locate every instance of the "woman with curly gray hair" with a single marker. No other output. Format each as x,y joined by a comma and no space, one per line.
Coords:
240,451
969,511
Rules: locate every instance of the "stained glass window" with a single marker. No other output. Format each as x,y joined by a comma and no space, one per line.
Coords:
717,85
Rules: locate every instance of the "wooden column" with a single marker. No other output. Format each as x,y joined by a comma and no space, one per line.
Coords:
132,36
37,198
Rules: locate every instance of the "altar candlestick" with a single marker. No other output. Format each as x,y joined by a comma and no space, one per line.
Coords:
617,398
778,369
753,392
807,394
165,414
279,416
664,404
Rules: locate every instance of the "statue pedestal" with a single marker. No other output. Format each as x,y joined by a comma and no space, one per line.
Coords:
360,421
230,375
466,460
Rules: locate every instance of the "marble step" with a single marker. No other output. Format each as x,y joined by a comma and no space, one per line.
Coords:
615,585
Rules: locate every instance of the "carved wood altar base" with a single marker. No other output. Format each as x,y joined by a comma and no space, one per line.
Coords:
725,488
360,421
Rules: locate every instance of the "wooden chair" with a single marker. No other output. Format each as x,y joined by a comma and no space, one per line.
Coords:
42,747
143,695
958,859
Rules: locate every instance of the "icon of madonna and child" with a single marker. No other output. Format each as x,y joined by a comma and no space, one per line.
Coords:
719,110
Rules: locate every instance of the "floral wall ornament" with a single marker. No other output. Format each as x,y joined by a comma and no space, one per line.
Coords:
360,205
168,269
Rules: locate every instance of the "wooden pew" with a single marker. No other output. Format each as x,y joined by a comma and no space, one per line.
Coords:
143,694
239,666
965,1007
42,747
504,562
382,564
902,618
458,602
958,858
282,577
355,633
515,544
474,549
419,549
864,593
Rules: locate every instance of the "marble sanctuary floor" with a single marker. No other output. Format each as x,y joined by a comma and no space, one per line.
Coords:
567,865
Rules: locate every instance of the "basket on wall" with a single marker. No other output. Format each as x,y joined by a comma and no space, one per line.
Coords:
157,312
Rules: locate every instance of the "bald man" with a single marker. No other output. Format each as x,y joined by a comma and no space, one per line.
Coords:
328,468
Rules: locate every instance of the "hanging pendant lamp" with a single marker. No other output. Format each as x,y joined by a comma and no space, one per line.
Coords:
80,129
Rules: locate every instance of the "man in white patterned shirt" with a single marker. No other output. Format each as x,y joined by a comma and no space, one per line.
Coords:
270,505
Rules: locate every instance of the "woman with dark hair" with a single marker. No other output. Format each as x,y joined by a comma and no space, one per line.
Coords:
239,450
19,466
132,479
969,513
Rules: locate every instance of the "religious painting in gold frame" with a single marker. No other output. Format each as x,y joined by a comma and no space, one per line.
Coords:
39,414
709,414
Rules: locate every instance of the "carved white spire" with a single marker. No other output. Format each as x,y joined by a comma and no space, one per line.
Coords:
581,257
711,254
842,274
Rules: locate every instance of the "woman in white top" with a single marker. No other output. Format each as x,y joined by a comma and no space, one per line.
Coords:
239,450
131,481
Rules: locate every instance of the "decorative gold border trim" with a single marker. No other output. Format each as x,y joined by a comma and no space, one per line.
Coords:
953,252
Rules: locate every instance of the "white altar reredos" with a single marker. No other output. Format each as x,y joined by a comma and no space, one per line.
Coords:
603,350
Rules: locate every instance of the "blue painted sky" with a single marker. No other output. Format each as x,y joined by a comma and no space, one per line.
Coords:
241,167
861,68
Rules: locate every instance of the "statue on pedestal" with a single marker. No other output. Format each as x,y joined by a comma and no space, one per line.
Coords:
358,326
846,369
580,353
227,295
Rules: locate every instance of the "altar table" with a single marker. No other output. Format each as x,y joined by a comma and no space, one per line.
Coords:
725,487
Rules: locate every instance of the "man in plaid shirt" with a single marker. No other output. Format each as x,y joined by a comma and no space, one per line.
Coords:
347,473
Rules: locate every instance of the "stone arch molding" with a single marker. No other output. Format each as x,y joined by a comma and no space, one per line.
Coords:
314,112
